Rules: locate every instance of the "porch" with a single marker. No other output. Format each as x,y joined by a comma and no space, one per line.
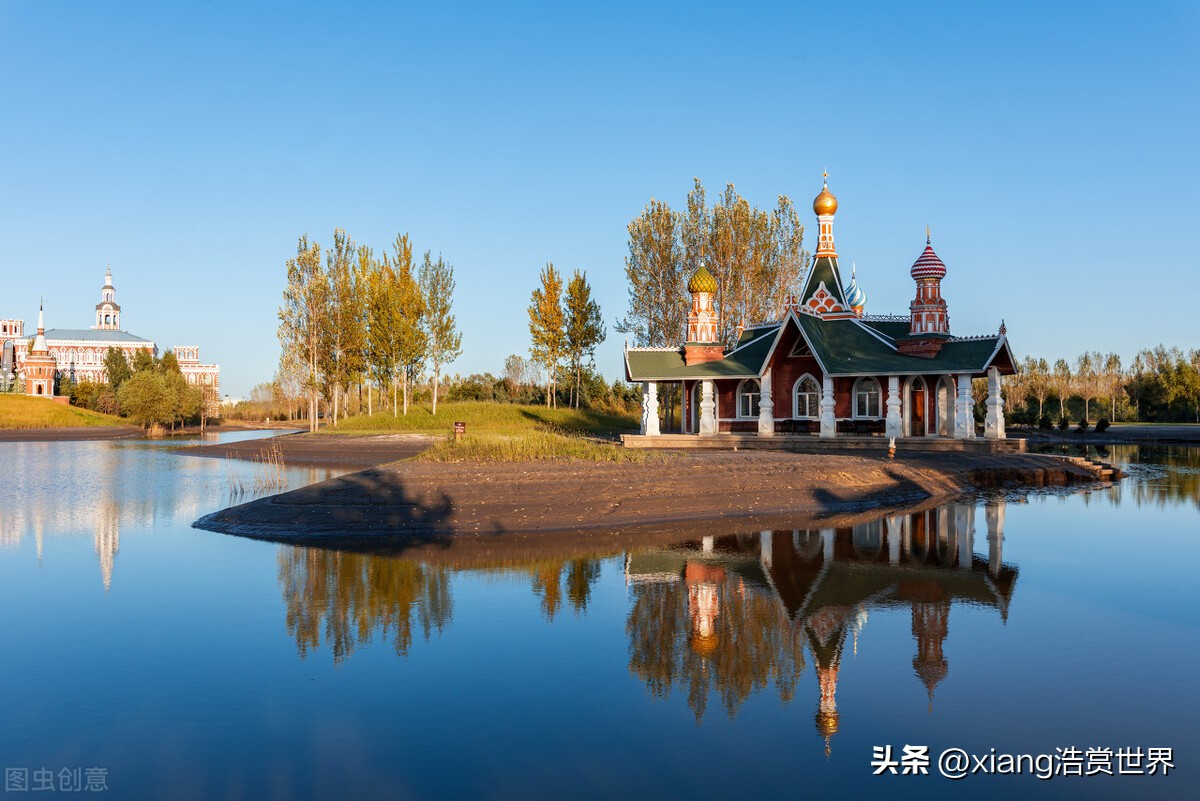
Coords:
805,443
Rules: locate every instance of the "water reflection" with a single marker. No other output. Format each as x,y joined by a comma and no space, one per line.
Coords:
352,597
100,489
721,616
733,614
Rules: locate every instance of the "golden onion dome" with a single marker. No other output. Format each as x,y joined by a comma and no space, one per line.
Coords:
825,203
702,281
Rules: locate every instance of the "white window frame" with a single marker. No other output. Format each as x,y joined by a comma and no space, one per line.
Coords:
754,404
859,389
796,398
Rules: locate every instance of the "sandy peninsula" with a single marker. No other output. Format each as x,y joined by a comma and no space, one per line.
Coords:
419,501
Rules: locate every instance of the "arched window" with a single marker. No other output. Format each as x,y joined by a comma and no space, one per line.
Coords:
807,398
866,398
107,319
747,398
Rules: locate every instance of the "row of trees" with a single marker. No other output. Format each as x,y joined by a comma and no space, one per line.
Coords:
148,391
564,331
757,257
1161,385
350,317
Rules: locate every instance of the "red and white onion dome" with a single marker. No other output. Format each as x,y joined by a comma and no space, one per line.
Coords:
928,265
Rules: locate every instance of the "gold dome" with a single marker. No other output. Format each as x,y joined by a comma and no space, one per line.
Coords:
825,203
702,281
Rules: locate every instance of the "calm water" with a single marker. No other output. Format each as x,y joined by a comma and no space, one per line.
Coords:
188,664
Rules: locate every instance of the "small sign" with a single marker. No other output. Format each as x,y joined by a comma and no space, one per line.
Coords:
460,428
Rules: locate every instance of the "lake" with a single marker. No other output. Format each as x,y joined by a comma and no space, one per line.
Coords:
162,661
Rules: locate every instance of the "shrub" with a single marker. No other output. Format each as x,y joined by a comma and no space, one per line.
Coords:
1064,423
1082,427
1045,422
1102,425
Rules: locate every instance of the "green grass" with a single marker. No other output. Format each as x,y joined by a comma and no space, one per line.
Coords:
23,411
529,446
489,418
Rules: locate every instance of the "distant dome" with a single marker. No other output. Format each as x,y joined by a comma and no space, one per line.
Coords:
702,281
928,265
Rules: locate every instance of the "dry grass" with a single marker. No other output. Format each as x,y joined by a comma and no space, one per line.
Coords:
269,474
530,446
22,411
489,418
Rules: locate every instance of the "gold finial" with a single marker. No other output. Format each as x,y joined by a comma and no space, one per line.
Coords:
825,177
927,238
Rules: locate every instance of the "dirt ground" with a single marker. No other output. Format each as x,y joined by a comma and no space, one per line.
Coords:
433,501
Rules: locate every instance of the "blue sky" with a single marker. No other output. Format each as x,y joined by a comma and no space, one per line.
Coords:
1052,151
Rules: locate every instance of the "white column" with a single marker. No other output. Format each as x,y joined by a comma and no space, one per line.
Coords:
828,421
650,409
765,547
708,409
827,538
964,419
766,407
993,424
706,543
892,427
994,512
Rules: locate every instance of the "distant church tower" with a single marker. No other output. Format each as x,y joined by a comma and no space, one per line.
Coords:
108,312
39,365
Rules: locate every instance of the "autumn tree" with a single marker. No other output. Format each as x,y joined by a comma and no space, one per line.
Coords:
584,327
1061,381
548,338
443,340
412,339
344,330
116,367
304,320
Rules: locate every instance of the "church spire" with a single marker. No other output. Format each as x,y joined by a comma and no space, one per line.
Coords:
825,206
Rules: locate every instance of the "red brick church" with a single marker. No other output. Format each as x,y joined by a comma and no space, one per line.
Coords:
826,368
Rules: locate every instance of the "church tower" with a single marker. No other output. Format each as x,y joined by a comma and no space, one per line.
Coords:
108,311
39,366
702,334
929,325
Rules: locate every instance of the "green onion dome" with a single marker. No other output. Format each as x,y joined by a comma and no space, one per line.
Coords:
702,281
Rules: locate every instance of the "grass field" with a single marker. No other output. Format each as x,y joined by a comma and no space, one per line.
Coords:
22,411
489,418
506,432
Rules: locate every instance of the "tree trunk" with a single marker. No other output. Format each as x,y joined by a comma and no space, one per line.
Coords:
578,371
437,376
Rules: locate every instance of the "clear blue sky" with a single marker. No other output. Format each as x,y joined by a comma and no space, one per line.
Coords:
1051,147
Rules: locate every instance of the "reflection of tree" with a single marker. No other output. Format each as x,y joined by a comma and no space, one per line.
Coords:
1181,485
352,596
548,583
757,645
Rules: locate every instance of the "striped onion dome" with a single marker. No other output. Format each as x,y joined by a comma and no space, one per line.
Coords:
928,265
702,281
854,294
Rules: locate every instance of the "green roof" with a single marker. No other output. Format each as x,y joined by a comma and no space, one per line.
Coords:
825,270
744,361
842,348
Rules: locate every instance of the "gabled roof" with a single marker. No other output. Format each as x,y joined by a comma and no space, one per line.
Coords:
825,271
744,361
848,347
94,335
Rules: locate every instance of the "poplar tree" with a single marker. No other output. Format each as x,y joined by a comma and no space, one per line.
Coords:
548,338
343,331
584,326
412,343
654,269
116,367
382,326
303,318
443,340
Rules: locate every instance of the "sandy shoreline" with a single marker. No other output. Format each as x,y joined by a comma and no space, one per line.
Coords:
426,503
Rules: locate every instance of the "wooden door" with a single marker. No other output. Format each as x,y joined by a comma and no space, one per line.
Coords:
917,403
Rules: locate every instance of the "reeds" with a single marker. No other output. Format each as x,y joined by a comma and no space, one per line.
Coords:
268,474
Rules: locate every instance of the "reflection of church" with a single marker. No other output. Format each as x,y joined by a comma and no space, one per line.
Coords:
825,581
